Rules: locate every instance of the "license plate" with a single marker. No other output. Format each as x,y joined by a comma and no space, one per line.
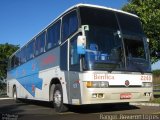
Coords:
125,96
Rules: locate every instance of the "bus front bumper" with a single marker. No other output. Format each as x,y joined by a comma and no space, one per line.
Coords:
115,95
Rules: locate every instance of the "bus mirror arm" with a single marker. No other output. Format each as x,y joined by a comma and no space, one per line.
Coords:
84,28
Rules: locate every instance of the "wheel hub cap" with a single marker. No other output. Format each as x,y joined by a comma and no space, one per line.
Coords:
57,98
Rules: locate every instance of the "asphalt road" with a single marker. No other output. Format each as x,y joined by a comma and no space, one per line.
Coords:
36,110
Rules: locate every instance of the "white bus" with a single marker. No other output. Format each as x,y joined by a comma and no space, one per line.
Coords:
88,55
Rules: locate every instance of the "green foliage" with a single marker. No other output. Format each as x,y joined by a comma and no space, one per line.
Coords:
5,51
156,78
149,13
156,100
156,73
3,87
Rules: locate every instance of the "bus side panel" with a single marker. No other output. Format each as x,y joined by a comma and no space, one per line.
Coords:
49,70
10,84
74,88
32,79
48,64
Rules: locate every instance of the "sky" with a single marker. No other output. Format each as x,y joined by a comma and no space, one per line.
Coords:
21,20
156,65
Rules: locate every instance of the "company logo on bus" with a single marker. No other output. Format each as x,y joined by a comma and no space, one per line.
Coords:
48,60
103,77
127,83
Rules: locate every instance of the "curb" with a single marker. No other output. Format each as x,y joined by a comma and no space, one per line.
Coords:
5,98
146,104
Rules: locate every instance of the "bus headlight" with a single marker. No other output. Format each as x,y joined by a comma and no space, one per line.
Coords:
97,84
146,84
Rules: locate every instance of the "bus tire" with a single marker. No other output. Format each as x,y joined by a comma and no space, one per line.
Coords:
59,106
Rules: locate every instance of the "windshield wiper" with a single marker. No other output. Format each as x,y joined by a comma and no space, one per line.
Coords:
116,64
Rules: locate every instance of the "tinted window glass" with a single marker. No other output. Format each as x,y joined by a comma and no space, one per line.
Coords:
70,25
134,48
73,52
12,62
17,59
22,54
129,24
104,49
9,64
53,35
63,56
40,43
30,50
74,57
98,17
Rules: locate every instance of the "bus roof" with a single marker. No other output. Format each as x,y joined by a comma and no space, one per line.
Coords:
101,7
71,8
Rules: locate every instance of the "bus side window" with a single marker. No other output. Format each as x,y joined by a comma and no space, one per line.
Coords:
23,55
63,56
53,35
9,64
69,25
17,58
30,50
12,62
74,56
40,43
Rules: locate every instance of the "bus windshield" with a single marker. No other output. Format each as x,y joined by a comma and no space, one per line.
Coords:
105,50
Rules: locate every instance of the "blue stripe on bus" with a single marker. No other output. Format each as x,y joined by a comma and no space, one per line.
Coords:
28,76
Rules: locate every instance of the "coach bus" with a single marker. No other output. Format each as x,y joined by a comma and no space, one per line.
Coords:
89,55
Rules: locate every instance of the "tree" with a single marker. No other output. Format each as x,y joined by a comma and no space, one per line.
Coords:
5,51
149,14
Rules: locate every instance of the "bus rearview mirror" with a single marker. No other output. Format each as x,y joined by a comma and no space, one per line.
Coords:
81,44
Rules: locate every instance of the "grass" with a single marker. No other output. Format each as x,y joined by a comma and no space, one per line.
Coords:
156,93
156,87
155,100
156,80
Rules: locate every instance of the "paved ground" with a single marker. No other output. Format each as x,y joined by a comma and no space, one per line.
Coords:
29,110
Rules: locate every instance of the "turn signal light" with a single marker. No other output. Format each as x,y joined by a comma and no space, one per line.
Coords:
89,84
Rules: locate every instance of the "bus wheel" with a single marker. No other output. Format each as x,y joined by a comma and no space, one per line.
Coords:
15,94
58,99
